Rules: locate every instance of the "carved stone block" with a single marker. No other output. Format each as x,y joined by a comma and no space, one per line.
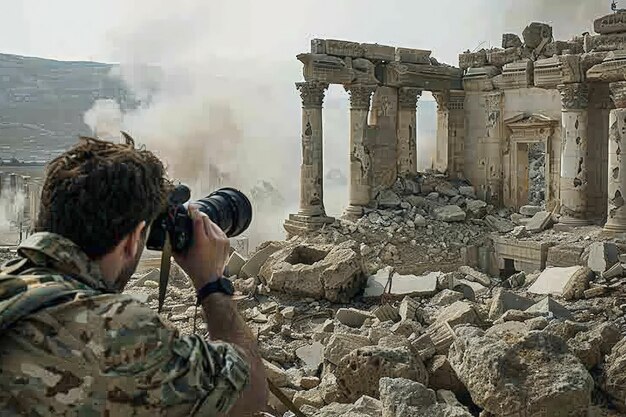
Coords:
334,70
427,77
318,46
612,68
501,57
557,70
511,40
378,52
599,43
611,23
344,48
559,47
473,59
480,79
413,56
515,75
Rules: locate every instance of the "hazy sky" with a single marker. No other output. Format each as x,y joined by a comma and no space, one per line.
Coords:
272,29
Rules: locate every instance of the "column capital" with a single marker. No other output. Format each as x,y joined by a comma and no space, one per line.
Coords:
312,93
408,97
618,94
574,96
360,95
442,98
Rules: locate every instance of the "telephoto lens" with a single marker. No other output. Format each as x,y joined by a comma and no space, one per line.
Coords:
229,208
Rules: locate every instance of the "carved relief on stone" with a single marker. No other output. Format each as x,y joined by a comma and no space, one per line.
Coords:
456,100
408,96
618,94
360,96
599,43
558,70
574,96
494,101
312,93
442,98
335,70
431,77
612,68
612,23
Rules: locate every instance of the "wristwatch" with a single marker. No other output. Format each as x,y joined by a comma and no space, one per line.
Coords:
223,285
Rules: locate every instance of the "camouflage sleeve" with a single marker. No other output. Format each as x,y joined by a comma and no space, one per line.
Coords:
152,366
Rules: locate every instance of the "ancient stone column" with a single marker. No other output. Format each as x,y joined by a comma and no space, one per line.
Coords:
311,170
407,130
491,157
311,214
360,162
573,183
616,217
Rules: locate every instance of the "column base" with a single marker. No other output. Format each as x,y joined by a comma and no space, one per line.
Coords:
573,221
298,224
354,211
614,227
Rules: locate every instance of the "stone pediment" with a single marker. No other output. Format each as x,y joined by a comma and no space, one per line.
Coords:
525,120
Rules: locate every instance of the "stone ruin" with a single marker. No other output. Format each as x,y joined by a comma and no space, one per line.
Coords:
469,290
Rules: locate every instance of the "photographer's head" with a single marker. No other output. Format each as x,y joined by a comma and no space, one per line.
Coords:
103,196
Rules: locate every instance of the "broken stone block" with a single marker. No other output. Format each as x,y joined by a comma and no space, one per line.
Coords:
615,375
402,285
517,280
529,211
515,315
592,346
378,52
311,355
388,199
511,40
406,328
539,222
446,297
553,280
340,345
467,191
598,291
253,266
408,307
360,371
615,271
460,312
499,225
401,397
442,336
332,272
564,255
536,323
476,276
235,263
476,209
549,307
546,378
442,376
424,346
504,301
469,289
351,317
311,397
602,256
364,407
575,287
537,33
413,56
449,214
275,374
473,59
387,312
519,232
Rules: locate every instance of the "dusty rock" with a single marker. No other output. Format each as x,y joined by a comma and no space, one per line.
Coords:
449,213
467,191
253,266
406,328
602,256
615,375
532,374
499,225
575,287
536,33
363,407
311,397
549,307
442,376
511,40
459,312
388,199
564,255
275,374
402,285
311,355
529,211
333,272
516,315
309,382
595,292
424,346
351,317
387,312
475,276
536,323
401,397
615,271
592,346
359,372
408,308
517,280
235,263
476,208
553,280
340,345
539,222
504,301
446,297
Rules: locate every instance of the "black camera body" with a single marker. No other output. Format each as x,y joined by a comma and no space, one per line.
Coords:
227,207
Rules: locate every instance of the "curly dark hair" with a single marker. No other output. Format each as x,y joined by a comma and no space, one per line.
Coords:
98,191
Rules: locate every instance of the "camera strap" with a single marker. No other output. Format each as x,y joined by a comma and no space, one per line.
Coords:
166,263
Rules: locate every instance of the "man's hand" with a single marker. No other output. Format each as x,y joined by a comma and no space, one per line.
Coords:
206,258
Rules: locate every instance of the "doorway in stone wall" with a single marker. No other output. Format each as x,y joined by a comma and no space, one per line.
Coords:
529,178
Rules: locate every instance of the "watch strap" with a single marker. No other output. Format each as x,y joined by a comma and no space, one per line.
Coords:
213,287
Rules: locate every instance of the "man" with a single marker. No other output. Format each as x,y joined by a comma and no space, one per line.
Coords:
72,345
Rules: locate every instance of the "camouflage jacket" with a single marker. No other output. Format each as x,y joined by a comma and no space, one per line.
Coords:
71,346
